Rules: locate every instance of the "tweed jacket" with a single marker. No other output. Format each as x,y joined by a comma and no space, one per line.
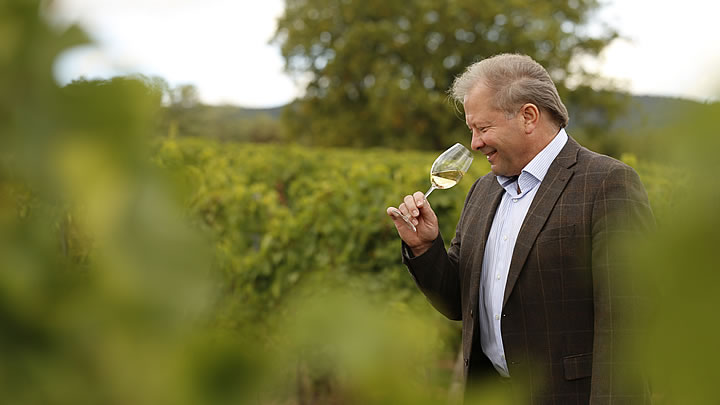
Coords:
568,300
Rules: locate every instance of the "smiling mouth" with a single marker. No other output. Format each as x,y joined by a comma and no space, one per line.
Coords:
490,155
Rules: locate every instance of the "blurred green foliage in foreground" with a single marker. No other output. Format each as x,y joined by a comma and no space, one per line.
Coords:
146,271
109,294
680,265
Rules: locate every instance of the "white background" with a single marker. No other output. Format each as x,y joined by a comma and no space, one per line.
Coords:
222,46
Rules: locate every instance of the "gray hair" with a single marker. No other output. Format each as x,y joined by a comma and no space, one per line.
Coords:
516,80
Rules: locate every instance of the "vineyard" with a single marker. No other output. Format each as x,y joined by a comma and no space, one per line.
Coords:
278,214
138,266
241,272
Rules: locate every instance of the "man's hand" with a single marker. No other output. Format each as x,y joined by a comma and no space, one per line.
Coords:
417,208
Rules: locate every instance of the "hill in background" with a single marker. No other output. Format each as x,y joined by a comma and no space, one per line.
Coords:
653,112
648,112
643,116
242,112
225,122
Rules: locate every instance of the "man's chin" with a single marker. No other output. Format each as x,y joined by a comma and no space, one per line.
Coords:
498,171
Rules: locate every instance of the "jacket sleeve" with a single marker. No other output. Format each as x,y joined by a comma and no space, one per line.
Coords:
436,275
621,214
436,272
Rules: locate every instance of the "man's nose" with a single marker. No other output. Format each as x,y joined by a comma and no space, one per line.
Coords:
476,143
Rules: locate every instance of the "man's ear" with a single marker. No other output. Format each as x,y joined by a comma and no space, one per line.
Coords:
530,115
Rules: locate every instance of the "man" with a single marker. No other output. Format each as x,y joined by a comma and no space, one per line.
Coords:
533,271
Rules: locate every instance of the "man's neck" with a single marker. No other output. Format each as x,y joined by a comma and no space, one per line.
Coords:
546,133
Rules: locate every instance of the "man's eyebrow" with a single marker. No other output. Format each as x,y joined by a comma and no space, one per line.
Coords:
479,123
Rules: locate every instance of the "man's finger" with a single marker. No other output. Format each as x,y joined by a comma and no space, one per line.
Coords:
419,199
398,219
411,207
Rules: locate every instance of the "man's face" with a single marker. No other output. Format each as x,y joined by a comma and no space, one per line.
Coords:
503,141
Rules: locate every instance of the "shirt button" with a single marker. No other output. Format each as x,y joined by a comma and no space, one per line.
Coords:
498,276
502,356
505,237
514,200
497,317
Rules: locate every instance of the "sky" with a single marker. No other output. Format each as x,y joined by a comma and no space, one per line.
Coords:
222,47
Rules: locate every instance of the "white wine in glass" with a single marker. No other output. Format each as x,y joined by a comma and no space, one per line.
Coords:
443,180
446,171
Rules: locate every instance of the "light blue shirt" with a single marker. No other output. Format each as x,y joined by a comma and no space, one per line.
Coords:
509,217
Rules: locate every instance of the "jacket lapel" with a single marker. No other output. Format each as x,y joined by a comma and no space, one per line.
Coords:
550,189
491,193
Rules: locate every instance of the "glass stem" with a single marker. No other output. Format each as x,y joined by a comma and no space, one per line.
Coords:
429,191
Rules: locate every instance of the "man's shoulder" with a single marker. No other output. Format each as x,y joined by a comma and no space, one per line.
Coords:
594,161
595,170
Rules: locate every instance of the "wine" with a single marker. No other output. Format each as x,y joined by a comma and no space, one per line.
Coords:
445,172
446,179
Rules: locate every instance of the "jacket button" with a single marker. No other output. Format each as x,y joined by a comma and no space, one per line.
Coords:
466,362
471,313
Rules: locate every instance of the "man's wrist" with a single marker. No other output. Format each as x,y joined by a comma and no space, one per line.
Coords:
419,250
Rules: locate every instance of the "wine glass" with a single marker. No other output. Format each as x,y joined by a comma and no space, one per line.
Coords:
446,171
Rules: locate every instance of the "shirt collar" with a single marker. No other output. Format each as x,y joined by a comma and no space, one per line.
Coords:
534,172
